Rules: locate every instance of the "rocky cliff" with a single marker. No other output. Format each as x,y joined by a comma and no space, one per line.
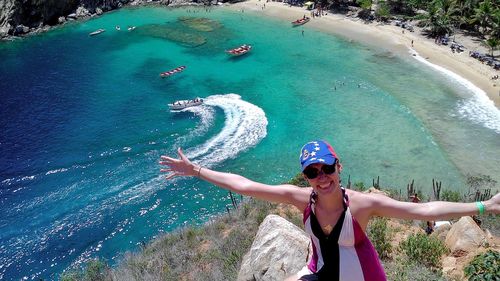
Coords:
18,17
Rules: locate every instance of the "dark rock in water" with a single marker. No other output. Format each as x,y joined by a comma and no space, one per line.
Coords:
173,34
21,29
200,24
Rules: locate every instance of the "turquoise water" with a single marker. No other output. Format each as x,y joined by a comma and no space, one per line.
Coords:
84,121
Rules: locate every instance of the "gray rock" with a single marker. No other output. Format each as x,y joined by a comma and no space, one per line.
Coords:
21,29
464,236
4,30
98,11
279,250
61,20
81,12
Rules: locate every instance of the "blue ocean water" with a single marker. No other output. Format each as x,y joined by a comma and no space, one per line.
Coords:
84,121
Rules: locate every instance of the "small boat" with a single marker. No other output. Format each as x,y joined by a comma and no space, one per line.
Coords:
173,71
117,28
181,104
99,31
130,28
241,50
301,21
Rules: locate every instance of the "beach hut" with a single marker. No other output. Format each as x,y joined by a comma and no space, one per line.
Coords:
309,5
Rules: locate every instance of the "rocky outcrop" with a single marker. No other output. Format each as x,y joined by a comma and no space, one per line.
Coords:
18,17
464,236
279,250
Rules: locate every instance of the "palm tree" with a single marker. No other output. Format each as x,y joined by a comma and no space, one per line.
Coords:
484,15
493,44
441,17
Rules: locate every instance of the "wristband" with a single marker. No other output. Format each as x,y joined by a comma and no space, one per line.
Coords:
198,172
480,207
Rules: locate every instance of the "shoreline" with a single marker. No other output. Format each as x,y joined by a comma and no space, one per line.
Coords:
391,38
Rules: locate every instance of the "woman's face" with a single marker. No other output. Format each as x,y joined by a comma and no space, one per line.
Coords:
323,178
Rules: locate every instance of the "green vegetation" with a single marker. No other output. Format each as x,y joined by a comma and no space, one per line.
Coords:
95,270
437,17
485,267
451,195
380,235
215,250
423,249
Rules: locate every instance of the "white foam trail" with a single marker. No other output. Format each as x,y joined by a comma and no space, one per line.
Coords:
478,108
245,126
206,115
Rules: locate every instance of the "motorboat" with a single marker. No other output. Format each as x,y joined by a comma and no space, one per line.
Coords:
301,21
241,50
171,72
181,104
99,31
117,28
130,28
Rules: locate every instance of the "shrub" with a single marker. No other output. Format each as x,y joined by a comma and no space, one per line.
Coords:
299,180
360,186
484,267
450,195
95,270
423,249
380,236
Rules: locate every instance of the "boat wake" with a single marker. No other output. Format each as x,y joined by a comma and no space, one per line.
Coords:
245,126
124,196
478,108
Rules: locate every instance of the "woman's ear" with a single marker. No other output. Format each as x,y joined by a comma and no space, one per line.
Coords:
339,166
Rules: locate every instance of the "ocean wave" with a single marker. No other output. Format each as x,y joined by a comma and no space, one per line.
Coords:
478,108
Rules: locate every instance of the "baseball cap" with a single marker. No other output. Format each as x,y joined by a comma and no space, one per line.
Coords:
318,151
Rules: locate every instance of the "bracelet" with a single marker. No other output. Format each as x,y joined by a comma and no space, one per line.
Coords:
198,172
480,207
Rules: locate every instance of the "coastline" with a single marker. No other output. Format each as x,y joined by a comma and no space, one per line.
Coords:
391,38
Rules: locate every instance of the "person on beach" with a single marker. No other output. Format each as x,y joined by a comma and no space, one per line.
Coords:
335,218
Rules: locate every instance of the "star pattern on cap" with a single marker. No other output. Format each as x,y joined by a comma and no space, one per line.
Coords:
313,153
321,160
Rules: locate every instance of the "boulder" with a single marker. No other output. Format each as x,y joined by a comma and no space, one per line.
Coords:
81,12
441,232
21,29
61,20
464,237
4,30
279,250
98,11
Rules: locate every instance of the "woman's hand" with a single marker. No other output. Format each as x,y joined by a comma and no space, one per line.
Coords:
178,167
492,206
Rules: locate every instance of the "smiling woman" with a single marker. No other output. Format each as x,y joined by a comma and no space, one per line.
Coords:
334,217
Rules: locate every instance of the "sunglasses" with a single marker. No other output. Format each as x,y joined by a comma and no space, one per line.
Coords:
312,173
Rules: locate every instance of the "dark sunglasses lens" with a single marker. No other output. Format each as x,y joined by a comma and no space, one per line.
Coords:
311,173
328,169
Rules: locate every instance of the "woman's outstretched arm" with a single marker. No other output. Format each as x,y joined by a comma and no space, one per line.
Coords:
434,210
284,193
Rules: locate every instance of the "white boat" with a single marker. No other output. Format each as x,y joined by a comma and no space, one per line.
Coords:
99,31
117,28
241,50
181,104
130,28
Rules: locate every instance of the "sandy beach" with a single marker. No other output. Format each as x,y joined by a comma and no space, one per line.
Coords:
392,38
